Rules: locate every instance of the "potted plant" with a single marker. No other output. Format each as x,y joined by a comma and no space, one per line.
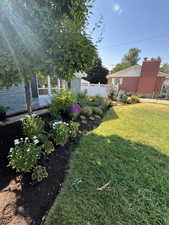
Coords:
3,111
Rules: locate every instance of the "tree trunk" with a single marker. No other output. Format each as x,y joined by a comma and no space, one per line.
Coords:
28,94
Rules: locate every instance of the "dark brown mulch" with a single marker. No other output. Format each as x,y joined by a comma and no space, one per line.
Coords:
25,203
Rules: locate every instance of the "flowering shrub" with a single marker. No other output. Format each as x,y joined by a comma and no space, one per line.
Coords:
60,132
39,173
32,125
61,102
86,111
98,111
74,110
25,154
48,147
74,126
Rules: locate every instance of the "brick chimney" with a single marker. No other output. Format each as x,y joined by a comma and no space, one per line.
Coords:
149,71
150,67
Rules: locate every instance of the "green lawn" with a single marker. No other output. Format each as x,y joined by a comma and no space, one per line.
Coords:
119,172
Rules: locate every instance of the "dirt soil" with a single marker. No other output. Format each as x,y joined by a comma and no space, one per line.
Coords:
21,201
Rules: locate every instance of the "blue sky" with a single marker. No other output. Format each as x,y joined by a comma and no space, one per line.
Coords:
142,24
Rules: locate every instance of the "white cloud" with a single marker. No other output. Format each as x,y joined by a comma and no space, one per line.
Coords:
117,8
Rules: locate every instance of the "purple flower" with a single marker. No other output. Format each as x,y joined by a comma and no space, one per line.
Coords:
75,108
100,107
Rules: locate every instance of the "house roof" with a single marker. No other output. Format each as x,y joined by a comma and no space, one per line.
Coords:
84,81
133,71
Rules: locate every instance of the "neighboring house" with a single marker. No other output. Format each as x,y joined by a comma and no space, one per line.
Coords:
84,82
145,80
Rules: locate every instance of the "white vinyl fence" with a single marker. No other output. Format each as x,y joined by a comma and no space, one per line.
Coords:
97,89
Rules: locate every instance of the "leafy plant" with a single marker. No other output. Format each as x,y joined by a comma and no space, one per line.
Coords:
86,111
24,156
74,127
97,111
60,132
122,97
32,125
82,98
97,101
3,109
61,101
39,173
48,147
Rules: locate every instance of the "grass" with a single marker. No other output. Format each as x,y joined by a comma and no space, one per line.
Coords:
119,172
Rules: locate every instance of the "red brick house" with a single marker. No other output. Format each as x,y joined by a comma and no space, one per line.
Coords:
145,80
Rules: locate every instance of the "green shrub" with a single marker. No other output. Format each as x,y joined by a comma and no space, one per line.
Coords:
74,127
32,125
123,97
82,98
97,111
97,101
24,156
61,101
86,111
39,173
60,132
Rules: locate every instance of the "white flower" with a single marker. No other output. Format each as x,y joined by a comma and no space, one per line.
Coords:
21,139
16,142
36,141
28,150
34,115
26,139
11,149
34,137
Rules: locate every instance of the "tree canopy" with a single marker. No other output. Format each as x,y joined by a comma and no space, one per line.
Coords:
130,59
46,36
165,68
98,73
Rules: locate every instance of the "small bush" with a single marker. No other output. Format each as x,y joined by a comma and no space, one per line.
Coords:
61,101
82,98
97,101
39,173
97,111
122,97
86,111
32,125
74,127
60,132
24,156
48,147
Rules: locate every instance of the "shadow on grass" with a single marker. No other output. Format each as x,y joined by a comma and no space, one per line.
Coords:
110,115
137,191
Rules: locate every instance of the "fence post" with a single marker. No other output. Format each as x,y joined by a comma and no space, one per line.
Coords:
49,86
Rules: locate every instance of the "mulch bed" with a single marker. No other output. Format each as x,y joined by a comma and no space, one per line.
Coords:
21,201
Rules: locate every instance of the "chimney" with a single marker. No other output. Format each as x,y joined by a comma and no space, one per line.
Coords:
150,67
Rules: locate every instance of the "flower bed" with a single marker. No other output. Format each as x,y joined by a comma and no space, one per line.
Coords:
39,155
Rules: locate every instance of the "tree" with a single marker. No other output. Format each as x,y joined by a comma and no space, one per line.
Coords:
98,73
46,36
132,57
119,66
165,68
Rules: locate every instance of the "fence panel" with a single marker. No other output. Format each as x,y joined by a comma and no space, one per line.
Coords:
97,89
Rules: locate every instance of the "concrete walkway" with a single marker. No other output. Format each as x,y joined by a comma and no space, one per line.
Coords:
150,100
